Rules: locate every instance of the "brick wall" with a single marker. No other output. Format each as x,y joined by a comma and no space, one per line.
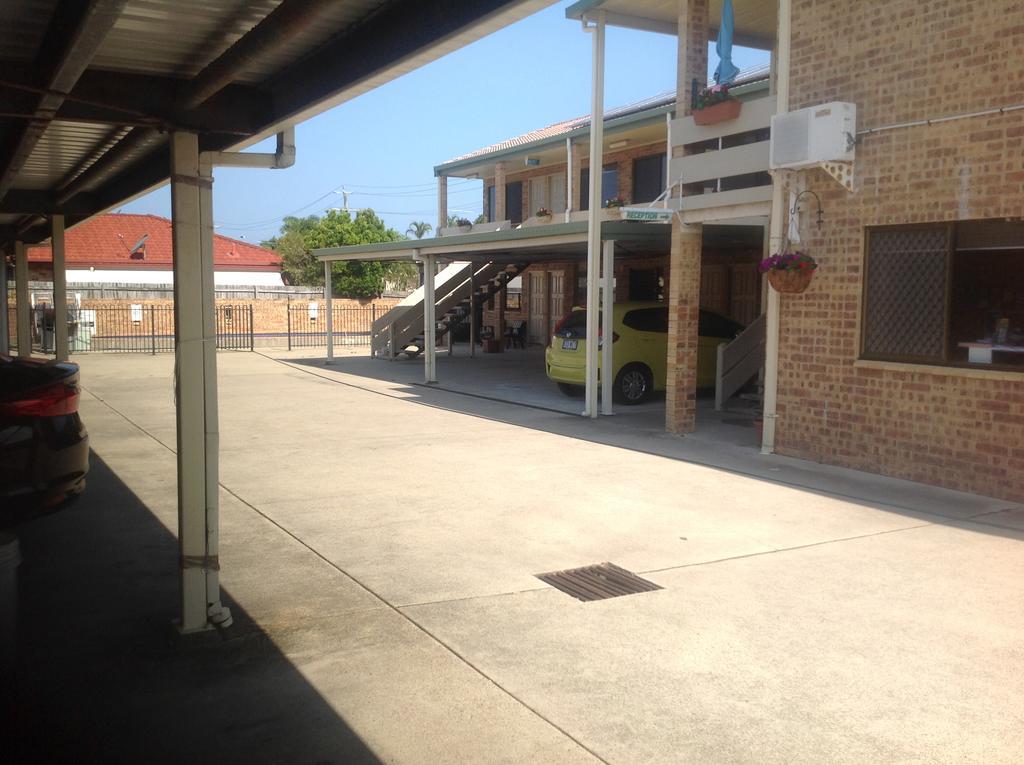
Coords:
900,61
269,316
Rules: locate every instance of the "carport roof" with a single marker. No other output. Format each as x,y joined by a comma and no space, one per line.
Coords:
554,241
91,89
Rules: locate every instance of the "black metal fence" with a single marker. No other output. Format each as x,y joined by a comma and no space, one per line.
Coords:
307,325
130,329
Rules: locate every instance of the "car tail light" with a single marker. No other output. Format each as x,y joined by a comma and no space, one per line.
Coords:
561,323
51,401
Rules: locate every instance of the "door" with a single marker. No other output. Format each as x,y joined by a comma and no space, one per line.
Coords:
557,301
538,325
714,288
514,202
746,292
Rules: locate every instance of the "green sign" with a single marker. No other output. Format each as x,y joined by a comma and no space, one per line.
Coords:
647,214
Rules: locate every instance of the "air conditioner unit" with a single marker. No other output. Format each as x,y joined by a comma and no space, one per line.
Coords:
809,137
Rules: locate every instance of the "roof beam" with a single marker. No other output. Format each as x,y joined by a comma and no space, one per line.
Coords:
32,202
72,39
140,100
396,31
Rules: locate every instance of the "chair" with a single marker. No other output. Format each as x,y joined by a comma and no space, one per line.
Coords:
515,334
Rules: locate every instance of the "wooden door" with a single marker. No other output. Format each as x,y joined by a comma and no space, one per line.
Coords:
558,308
714,288
746,292
538,323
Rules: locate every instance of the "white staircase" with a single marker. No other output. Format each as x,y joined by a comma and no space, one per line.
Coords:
400,330
739,361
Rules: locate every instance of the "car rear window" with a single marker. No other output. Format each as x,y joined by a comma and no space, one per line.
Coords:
647,319
574,325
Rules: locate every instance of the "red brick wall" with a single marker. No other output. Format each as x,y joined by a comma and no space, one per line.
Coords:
900,61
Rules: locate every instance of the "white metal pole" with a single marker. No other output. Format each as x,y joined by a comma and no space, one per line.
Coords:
23,312
442,203
568,180
472,310
60,289
429,322
5,329
328,290
195,385
607,303
776,228
594,214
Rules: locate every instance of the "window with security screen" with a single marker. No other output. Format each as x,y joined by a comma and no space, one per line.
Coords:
946,293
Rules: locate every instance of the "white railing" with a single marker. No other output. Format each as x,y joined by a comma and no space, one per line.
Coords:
712,166
739,360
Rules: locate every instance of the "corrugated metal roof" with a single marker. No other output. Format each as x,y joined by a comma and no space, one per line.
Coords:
63,147
561,129
24,23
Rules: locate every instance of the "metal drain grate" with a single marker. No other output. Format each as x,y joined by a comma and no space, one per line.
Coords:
605,580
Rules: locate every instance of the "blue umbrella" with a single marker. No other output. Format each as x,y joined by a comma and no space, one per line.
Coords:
726,71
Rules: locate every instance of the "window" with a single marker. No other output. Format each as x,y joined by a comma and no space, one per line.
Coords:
648,178
514,202
647,319
950,294
490,204
609,185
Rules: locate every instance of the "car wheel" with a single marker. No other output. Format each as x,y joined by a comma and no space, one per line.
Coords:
573,391
634,384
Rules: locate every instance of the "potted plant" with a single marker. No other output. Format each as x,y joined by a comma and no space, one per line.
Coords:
543,212
714,104
463,223
615,202
789,271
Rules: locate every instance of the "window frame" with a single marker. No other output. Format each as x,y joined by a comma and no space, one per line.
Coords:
946,361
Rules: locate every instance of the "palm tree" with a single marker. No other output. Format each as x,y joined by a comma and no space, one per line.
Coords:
418,228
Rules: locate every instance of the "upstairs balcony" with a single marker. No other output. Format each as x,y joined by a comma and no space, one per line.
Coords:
723,168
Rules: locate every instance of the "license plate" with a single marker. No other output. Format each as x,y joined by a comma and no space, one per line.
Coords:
570,345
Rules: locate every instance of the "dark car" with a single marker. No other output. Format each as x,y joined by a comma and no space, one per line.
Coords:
44,448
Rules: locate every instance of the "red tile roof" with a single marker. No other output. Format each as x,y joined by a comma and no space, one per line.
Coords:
106,241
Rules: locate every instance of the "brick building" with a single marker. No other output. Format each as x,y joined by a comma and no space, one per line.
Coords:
905,356
137,249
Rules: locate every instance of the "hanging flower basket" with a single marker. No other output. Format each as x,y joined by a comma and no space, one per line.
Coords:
789,272
792,282
720,112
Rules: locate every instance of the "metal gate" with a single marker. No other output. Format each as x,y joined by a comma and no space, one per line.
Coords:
307,325
136,328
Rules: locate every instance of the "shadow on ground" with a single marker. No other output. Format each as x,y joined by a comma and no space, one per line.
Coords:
510,389
101,677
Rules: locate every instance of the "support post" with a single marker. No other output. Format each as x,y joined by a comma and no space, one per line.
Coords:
608,337
23,311
594,214
568,180
429,322
442,202
60,289
499,191
472,310
196,386
328,306
5,329
776,229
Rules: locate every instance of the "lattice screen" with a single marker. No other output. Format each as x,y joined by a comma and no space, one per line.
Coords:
905,306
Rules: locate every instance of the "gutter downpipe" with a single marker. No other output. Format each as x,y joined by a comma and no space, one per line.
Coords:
776,229
329,307
594,212
568,180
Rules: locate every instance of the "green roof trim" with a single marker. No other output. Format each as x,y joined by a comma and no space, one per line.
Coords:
576,10
610,229
628,120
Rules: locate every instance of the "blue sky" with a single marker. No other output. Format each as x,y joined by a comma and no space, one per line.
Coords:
382,146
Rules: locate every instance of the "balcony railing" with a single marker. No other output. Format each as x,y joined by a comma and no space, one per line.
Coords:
724,165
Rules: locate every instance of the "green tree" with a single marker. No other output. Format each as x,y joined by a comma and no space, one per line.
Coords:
300,236
419,228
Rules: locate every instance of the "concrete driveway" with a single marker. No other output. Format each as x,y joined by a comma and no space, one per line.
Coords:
380,540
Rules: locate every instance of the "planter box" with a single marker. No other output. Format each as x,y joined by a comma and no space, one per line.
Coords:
492,345
720,112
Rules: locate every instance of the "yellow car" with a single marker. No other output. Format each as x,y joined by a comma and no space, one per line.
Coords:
640,349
